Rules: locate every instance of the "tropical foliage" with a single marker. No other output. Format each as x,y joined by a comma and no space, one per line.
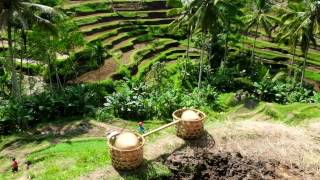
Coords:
149,63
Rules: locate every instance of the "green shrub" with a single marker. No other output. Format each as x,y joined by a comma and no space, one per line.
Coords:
72,101
316,97
280,90
137,101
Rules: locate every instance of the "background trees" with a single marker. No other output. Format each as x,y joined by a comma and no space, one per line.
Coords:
18,14
301,24
210,18
259,16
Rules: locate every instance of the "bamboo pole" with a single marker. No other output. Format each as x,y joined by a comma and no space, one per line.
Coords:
160,128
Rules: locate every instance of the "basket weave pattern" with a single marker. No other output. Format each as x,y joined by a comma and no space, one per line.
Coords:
189,129
126,159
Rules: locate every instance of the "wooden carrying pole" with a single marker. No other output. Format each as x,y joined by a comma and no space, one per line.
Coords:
160,128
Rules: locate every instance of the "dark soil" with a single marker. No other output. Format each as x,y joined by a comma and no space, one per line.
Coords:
201,164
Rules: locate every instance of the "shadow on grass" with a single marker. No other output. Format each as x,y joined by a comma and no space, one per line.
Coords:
148,170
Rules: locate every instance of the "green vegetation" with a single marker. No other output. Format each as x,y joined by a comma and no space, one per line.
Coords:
81,157
121,61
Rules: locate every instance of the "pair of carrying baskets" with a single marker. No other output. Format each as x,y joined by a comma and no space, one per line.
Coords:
131,159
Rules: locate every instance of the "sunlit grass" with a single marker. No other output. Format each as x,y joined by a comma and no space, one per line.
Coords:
68,160
293,114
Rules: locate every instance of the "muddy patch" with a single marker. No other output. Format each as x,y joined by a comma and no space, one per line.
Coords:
191,164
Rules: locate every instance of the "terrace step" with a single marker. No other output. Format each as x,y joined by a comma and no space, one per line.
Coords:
112,41
109,67
113,32
125,57
100,27
150,51
124,15
165,56
119,5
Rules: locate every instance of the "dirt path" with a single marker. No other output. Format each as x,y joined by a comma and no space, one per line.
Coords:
109,67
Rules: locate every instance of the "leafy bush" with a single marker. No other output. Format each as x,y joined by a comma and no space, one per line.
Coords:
128,102
5,84
139,101
316,98
49,106
277,89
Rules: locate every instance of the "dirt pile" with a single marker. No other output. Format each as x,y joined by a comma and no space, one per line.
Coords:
190,164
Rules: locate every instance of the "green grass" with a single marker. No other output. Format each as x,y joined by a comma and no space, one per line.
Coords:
293,114
226,100
312,75
68,160
150,170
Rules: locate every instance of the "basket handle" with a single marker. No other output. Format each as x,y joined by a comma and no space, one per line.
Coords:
161,128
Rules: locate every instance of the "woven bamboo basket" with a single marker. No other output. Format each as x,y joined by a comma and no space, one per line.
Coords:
126,159
189,129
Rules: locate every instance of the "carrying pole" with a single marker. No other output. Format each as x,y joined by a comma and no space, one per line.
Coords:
161,128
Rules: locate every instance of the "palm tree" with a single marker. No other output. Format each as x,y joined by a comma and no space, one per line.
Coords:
98,52
183,22
302,24
260,17
207,16
20,14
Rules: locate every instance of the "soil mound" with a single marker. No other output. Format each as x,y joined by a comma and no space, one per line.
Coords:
188,164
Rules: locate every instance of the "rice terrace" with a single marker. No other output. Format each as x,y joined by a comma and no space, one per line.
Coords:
160,89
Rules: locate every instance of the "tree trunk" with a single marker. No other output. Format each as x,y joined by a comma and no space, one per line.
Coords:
292,60
188,48
13,65
57,77
304,66
254,44
226,51
201,60
100,59
18,77
49,70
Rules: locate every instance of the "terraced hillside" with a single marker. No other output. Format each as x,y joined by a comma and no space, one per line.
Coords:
281,55
125,29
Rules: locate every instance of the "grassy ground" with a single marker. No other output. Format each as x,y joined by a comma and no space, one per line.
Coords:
68,160
78,149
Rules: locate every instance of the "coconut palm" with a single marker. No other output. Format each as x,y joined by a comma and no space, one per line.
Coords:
20,14
302,24
260,17
207,17
98,52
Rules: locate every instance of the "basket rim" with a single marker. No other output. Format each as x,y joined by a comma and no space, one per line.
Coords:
129,150
184,109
